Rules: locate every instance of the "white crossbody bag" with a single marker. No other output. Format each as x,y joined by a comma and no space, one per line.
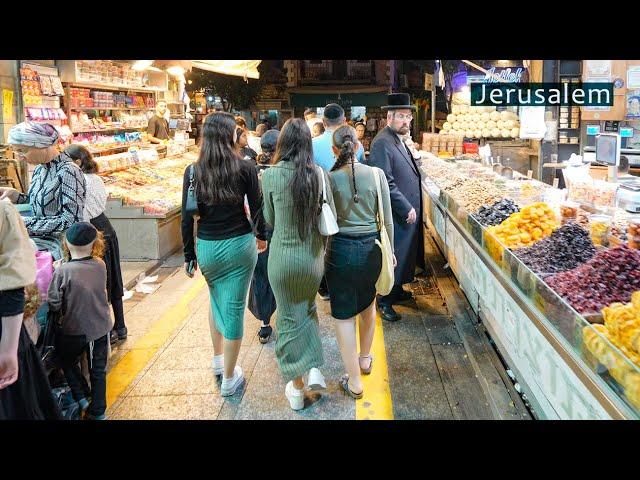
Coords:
386,277
327,224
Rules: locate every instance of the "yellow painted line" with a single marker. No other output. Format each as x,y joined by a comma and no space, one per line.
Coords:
132,363
376,403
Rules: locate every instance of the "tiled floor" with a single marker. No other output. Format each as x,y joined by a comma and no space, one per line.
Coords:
431,374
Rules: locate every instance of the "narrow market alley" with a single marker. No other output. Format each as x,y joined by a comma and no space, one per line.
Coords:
435,363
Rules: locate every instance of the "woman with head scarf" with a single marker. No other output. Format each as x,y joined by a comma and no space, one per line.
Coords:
57,191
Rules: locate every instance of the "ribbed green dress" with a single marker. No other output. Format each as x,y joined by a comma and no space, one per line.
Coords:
295,270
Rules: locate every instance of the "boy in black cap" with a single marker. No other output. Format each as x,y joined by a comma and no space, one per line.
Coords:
78,290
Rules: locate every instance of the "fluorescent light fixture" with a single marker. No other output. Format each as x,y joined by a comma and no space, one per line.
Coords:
175,70
154,69
141,65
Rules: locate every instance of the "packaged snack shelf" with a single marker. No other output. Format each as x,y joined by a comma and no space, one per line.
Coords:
567,367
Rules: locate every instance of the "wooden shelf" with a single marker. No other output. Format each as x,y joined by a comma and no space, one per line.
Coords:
111,108
106,86
112,129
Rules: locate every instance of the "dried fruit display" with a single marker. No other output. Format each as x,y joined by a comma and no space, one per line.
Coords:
612,275
565,249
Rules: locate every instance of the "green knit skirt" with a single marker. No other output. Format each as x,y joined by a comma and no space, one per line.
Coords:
295,272
227,266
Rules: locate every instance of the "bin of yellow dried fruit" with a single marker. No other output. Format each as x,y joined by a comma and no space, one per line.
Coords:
623,322
521,229
616,366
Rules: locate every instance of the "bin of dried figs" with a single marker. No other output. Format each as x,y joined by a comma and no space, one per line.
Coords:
612,275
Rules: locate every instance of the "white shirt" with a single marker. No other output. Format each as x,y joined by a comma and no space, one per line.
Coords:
254,143
96,200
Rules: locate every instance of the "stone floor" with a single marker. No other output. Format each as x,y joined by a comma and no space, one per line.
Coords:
435,363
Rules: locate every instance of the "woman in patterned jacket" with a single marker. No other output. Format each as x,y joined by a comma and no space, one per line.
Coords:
57,191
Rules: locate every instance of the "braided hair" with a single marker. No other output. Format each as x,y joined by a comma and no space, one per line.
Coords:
344,138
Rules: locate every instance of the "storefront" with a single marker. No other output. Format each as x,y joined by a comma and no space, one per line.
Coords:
512,144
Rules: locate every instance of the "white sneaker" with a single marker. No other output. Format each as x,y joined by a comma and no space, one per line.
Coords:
295,396
230,385
316,380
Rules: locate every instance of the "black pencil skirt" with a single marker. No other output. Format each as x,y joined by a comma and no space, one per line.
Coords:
352,268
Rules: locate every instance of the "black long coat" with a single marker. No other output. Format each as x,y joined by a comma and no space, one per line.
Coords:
390,154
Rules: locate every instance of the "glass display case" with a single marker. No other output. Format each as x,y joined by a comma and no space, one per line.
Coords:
593,366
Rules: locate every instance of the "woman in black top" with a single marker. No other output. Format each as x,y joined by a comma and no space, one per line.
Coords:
242,146
226,247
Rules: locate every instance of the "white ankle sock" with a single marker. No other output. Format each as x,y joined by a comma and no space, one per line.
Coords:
218,361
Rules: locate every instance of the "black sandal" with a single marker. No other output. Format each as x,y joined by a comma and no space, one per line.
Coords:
344,383
264,334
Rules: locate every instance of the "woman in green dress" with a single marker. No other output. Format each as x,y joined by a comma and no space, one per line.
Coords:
292,191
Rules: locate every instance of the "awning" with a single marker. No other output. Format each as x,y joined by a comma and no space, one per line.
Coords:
240,68
359,99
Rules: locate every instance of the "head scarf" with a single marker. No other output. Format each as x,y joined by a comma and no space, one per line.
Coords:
31,134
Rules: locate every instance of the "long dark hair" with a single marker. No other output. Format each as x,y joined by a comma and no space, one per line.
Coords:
218,166
294,145
344,138
87,163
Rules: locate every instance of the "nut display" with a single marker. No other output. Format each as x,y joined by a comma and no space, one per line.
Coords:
565,249
612,275
497,213
474,193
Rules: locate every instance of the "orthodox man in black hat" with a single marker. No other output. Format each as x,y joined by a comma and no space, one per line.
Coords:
389,153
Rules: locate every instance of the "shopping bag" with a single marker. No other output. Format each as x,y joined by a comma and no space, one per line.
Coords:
386,277
44,272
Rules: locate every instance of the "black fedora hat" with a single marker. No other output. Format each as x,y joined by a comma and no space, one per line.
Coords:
397,101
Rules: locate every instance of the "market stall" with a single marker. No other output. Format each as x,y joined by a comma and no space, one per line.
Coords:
554,281
145,195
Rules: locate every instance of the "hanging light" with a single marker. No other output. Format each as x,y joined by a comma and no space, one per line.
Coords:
176,70
141,65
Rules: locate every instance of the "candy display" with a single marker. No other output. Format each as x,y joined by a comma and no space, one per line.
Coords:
497,213
143,180
612,275
623,323
566,248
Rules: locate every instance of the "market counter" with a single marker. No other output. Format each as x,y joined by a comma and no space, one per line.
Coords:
539,337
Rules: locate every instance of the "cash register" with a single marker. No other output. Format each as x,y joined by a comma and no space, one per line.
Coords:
608,148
